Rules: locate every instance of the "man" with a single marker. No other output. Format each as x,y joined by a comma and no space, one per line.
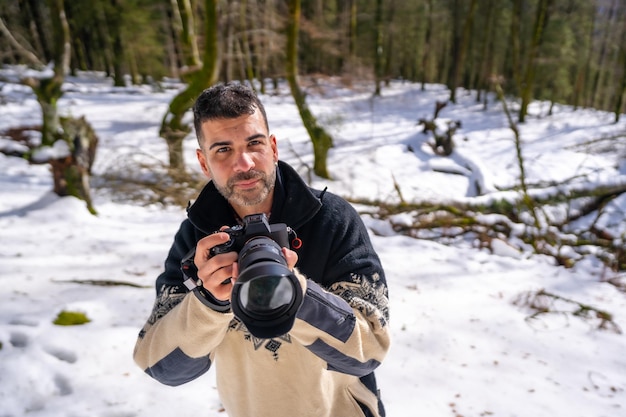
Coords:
322,363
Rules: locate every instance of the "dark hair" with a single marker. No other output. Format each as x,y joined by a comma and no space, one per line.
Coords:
225,101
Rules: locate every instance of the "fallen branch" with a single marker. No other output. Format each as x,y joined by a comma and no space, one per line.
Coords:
544,302
101,283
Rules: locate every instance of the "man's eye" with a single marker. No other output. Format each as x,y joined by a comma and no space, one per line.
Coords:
222,149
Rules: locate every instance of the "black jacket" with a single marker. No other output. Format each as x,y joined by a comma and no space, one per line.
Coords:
336,253
318,217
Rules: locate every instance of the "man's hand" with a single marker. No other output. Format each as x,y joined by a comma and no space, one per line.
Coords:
218,273
291,257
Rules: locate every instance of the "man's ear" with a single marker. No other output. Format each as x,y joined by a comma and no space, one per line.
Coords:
274,145
203,163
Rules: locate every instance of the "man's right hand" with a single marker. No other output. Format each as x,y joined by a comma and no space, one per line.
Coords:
218,273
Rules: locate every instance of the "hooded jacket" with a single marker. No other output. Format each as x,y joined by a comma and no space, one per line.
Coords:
324,366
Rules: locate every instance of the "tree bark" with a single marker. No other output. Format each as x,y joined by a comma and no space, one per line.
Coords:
379,56
23,51
321,140
428,49
541,21
516,50
188,34
114,16
173,128
70,172
621,91
597,77
460,50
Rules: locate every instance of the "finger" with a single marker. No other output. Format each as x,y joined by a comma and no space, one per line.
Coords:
235,271
219,266
291,257
205,244
215,274
223,291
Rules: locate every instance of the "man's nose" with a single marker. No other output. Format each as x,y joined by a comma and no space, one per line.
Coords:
244,162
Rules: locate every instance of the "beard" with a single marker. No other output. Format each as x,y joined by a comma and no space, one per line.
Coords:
248,197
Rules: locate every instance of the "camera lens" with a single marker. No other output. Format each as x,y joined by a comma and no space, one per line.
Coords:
266,295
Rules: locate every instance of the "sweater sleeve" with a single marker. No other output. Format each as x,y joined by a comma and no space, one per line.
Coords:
175,345
179,346
344,319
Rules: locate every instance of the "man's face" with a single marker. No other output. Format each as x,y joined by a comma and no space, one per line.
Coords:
240,157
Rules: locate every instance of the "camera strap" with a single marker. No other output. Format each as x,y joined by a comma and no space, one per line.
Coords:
190,271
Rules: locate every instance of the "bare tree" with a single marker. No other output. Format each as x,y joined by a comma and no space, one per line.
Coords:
173,128
541,20
74,140
460,46
322,141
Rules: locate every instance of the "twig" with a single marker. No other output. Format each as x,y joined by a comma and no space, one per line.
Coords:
100,283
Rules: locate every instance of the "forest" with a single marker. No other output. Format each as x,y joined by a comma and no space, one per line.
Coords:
570,52
567,51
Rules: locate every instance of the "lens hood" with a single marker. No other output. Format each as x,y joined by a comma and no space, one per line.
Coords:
266,295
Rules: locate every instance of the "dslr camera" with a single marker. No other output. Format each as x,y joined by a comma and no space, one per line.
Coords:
266,295
255,225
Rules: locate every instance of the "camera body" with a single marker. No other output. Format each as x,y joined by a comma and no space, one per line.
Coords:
266,295
255,225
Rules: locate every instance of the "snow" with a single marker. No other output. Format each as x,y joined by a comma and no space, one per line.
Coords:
464,341
59,149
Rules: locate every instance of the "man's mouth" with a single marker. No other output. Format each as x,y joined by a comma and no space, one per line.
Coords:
247,184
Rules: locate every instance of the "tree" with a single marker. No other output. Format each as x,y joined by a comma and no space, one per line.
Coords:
486,58
321,140
460,44
428,48
72,140
541,21
585,52
621,91
114,19
379,56
603,52
187,34
173,128
452,42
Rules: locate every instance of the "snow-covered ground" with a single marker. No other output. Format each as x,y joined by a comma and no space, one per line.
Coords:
462,346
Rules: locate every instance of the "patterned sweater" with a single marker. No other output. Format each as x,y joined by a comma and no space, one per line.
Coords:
325,365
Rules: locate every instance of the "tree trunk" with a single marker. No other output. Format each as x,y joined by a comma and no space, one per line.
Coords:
460,51
621,91
245,44
321,140
71,172
48,90
188,34
173,128
584,61
541,21
389,42
485,71
516,51
114,16
229,32
349,62
38,18
101,53
379,55
426,56
601,65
